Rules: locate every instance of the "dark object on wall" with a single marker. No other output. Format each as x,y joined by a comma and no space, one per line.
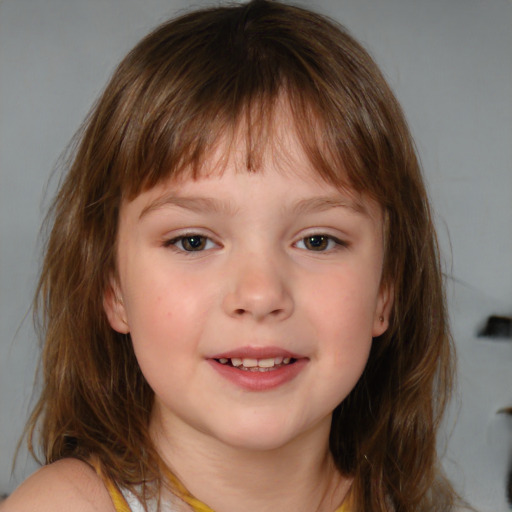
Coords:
509,487
497,327
508,410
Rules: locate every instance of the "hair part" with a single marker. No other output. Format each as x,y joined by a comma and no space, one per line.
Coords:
194,82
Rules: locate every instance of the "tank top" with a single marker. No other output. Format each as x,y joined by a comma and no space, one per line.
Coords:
125,501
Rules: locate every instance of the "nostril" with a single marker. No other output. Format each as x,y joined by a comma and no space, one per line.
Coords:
257,303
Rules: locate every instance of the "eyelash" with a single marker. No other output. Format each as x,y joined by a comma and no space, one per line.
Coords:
331,243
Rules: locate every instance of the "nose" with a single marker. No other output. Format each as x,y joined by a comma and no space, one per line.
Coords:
258,288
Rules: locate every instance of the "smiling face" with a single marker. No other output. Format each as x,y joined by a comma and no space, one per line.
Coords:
251,298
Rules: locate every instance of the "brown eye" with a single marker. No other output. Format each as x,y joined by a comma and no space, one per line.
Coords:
193,243
316,242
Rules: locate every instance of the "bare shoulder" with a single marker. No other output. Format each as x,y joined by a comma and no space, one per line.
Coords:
68,484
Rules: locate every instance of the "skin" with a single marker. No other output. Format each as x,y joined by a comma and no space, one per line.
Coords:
62,486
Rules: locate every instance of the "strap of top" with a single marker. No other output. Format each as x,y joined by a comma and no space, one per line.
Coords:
120,504
181,491
119,501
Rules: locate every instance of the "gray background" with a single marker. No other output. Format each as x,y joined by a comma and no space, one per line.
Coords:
450,63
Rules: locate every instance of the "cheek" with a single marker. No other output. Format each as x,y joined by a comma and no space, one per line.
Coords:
345,302
164,312
342,312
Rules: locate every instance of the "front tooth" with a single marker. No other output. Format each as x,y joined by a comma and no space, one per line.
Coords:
235,361
249,363
266,363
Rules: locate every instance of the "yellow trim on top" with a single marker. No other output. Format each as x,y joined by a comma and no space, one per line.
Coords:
120,504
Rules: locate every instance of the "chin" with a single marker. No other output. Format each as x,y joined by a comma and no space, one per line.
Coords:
261,436
258,442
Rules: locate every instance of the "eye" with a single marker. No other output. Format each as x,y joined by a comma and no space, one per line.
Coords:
191,243
319,243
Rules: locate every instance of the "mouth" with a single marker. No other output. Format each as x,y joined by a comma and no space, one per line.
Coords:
248,364
259,368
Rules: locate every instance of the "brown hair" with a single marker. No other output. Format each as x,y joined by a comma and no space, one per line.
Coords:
187,84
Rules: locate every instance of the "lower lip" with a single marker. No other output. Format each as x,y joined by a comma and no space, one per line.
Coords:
260,381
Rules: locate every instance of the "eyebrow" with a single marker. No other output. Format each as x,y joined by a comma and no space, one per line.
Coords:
318,204
214,205
196,204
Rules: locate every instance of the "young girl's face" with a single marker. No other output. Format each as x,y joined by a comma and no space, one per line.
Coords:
251,298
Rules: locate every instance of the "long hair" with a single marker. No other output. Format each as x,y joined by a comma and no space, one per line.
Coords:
191,82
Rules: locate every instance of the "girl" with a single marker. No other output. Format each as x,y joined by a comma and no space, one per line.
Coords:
241,298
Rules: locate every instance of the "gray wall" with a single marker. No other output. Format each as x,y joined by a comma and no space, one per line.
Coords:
450,63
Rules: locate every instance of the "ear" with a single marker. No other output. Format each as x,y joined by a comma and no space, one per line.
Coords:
383,309
114,308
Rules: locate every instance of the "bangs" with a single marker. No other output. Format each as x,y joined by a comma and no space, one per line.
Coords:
258,128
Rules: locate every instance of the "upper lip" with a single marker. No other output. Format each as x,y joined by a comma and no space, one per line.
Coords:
256,353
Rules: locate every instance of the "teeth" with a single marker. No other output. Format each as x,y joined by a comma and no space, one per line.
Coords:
251,363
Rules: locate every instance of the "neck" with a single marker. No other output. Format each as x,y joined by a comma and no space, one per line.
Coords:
299,476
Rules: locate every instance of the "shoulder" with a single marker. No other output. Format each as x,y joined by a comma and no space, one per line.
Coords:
68,484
